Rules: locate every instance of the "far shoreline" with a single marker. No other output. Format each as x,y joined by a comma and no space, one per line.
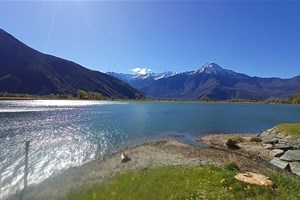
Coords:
148,100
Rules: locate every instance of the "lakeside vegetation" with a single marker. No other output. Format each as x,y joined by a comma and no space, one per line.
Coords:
80,94
86,95
292,129
183,182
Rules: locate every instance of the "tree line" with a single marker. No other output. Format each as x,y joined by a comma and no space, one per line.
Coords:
80,94
84,95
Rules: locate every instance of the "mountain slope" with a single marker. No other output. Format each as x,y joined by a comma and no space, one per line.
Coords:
25,70
217,83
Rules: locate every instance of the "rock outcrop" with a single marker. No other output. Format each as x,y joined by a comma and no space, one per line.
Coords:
284,149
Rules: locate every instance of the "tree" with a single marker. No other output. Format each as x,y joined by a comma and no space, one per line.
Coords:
296,98
81,94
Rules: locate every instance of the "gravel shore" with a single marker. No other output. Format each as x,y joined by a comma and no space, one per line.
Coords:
142,157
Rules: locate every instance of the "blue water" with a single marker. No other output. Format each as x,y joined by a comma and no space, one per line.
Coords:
69,133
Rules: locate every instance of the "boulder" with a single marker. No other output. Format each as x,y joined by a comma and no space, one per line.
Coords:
280,163
283,146
283,141
291,155
294,144
276,152
295,167
273,140
267,138
253,178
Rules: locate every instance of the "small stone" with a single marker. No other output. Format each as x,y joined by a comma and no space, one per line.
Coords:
268,146
291,155
283,146
295,167
276,152
279,163
124,158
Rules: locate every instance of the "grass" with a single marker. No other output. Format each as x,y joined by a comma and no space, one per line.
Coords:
201,182
292,129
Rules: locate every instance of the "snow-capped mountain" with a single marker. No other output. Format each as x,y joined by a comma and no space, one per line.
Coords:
142,80
211,81
155,76
211,68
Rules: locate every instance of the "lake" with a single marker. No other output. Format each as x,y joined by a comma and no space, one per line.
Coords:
65,133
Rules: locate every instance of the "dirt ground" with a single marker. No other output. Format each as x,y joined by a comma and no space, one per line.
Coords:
150,155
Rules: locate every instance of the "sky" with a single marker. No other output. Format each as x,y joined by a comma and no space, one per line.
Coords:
258,38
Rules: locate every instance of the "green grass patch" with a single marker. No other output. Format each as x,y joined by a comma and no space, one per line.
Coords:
292,129
201,182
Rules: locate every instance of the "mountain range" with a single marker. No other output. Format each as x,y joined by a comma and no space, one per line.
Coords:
211,81
28,71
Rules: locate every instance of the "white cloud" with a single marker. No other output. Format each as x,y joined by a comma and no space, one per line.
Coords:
142,71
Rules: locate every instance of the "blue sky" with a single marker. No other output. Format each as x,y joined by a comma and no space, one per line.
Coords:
256,38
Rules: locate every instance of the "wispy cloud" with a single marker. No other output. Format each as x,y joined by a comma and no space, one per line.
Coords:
142,71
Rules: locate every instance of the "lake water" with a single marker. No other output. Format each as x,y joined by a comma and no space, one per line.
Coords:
69,133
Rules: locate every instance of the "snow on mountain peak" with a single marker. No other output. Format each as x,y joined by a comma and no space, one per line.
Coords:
157,76
210,68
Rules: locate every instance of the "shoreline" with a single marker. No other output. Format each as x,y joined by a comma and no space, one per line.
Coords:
146,156
151,100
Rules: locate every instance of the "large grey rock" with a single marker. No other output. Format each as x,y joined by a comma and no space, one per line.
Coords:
274,140
283,141
291,155
283,146
276,152
267,138
295,167
295,144
280,163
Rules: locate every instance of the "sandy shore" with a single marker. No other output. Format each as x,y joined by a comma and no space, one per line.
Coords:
147,156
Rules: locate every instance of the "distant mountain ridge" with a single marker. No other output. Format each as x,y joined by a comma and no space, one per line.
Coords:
141,80
214,82
25,70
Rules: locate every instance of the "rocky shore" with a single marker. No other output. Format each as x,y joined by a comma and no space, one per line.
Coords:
284,149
